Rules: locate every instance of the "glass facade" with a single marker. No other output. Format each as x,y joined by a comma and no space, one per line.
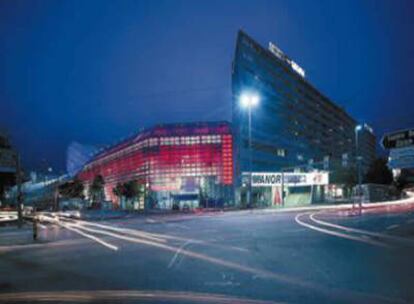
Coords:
175,162
293,124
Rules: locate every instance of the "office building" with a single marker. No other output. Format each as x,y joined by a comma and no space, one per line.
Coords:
292,123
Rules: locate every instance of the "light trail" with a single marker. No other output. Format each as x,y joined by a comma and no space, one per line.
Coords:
147,235
8,216
79,227
361,231
199,256
177,253
162,238
338,234
264,274
89,236
148,296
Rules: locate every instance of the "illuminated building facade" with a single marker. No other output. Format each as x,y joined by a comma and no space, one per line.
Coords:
293,124
187,165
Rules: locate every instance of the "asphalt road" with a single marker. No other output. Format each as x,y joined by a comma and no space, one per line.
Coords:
233,257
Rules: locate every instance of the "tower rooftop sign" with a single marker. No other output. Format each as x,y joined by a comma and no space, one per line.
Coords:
279,54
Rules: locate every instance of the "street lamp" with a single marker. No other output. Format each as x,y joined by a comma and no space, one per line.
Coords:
358,160
249,100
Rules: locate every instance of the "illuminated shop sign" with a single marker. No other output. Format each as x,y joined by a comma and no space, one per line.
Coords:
289,179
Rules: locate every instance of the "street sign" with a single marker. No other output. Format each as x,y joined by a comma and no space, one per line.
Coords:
402,158
402,152
398,139
405,163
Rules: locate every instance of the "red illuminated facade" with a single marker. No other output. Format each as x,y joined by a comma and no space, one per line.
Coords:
175,162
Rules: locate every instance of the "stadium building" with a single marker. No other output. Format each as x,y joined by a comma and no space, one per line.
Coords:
185,165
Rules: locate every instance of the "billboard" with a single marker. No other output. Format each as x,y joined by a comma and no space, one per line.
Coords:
290,179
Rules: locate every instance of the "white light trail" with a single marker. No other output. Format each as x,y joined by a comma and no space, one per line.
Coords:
337,234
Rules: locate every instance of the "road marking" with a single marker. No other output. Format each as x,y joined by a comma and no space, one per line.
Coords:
337,234
174,258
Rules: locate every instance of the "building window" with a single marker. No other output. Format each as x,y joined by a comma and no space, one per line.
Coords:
345,160
281,152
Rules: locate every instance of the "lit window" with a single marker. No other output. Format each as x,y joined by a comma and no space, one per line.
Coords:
281,152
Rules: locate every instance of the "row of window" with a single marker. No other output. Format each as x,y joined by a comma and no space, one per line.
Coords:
165,141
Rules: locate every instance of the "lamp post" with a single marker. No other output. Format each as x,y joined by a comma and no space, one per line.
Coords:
358,160
249,100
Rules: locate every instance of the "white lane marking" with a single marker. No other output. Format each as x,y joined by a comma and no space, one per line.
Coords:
337,234
392,227
356,230
177,253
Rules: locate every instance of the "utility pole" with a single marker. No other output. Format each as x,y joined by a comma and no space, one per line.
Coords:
249,100
250,157
19,191
358,160
283,189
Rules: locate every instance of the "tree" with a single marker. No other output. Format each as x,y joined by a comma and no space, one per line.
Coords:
379,173
96,190
402,180
346,176
132,190
119,190
72,189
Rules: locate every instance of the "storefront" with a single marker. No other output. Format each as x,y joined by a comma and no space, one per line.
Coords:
287,189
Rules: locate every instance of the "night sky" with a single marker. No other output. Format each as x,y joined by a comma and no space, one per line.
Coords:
95,71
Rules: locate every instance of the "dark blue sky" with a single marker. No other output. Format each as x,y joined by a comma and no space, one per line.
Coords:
94,71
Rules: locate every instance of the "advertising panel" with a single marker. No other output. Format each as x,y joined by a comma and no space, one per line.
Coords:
290,179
